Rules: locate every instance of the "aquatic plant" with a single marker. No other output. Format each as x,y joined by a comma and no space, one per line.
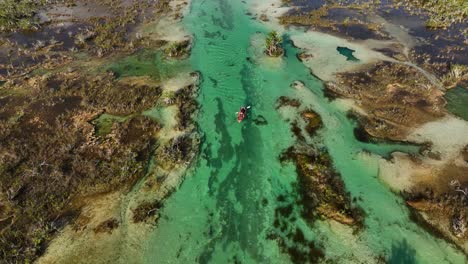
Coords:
442,13
178,49
457,73
18,14
273,44
321,187
145,211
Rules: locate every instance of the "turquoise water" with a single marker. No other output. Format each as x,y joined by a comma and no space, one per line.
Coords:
224,212
347,52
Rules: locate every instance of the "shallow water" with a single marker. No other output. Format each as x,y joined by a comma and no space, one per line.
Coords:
457,101
148,63
348,53
225,210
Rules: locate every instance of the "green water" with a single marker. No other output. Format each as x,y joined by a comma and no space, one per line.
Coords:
224,211
347,52
148,63
457,101
104,122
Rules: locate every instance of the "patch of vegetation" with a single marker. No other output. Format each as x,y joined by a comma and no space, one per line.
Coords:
443,209
107,226
322,190
177,151
51,156
320,17
146,211
18,14
273,44
314,121
188,106
286,101
314,17
400,98
178,49
457,74
442,13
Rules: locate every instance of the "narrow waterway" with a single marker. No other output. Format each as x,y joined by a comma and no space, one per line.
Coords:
224,212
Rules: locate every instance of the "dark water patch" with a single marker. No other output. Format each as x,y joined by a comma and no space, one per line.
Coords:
297,131
437,42
287,101
260,121
210,35
242,181
388,52
348,53
329,93
17,62
439,51
49,35
207,153
10,104
359,31
457,101
225,151
226,21
49,110
290,238
213,81
363,136
402,252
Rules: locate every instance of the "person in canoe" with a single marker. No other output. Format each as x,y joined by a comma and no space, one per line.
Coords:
242,113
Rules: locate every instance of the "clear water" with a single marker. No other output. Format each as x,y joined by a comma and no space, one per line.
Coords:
225,209
347,52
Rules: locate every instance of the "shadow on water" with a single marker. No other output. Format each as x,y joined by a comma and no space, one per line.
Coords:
402,253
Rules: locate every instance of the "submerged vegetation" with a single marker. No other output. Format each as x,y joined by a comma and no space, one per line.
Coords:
323,192
321,188
178,49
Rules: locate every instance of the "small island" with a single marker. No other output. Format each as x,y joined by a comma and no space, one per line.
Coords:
273,45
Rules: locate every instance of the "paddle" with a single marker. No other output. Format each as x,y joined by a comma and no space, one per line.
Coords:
248,107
